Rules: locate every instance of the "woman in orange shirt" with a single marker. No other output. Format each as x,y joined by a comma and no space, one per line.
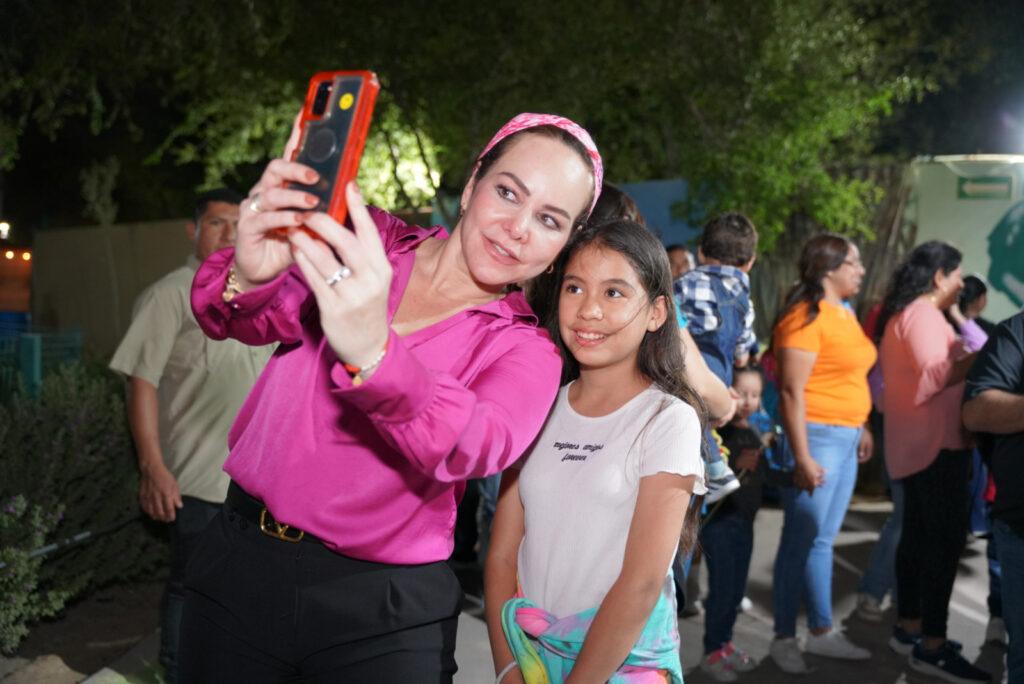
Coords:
824,358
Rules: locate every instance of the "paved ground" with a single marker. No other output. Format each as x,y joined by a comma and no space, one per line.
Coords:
968,616
753,633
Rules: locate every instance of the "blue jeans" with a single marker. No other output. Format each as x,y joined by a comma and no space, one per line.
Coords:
880,577
1011,555
803,565
189,523
489,488
728,541
718,347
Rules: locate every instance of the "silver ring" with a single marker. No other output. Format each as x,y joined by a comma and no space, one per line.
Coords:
254,203
339,275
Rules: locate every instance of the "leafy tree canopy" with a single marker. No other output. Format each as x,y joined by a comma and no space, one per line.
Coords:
756,104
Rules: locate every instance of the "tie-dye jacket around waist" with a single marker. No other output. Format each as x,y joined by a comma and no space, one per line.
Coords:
546,648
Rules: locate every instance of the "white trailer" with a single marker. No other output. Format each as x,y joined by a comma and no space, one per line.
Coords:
976,203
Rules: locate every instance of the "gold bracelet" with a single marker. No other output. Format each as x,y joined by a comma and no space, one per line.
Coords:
231,287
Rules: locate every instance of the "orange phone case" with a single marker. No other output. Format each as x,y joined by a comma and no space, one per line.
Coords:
335,120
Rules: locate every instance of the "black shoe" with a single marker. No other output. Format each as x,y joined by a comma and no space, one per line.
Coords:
902,641
945,662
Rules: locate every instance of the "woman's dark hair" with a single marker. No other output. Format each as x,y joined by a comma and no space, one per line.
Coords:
821,254
548,131
914,277
660,357
614,204
974,287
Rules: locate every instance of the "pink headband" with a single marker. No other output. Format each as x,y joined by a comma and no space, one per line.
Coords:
527,120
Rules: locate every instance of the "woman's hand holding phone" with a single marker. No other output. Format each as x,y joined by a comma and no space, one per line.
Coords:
350,276
261,248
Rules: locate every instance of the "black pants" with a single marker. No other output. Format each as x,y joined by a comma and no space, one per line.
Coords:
187,529
258,609
935,521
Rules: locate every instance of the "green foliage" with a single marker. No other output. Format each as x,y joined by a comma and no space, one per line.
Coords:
98,183
23,528
755,104
398,168
399,164
67,468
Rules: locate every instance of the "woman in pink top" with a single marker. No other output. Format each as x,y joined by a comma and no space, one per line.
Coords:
405,367
926,447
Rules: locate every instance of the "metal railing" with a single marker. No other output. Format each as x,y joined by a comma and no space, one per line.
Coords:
27,355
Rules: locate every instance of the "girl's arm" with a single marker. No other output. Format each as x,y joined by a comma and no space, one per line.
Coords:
501,569
653,534
974,338
794,370
720,401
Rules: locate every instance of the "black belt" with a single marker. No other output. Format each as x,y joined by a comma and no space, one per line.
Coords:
255,511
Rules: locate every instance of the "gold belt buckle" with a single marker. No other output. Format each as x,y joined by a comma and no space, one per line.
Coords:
278,531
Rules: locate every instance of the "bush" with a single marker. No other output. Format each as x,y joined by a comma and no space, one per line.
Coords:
67,471
23,528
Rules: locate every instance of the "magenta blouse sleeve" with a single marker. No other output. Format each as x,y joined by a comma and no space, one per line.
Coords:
269,313
450,431
274,311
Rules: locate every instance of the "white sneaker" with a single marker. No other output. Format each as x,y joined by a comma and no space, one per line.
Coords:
721,486
868,608
786,654
718,666
834,644
995,631
739,660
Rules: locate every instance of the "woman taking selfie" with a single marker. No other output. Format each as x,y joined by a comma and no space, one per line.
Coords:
404,368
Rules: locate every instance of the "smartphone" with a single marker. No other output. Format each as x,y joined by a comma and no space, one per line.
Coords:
334,122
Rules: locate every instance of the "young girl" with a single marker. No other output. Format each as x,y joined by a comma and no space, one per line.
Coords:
727,536
578,583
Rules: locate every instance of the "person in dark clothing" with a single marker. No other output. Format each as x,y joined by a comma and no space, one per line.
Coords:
727,536
994,403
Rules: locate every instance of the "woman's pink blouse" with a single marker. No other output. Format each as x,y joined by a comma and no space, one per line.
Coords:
376,471
922,414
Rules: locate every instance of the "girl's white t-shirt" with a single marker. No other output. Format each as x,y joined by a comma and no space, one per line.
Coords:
579,486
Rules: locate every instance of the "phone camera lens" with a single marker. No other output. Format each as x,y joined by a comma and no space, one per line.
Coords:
323,94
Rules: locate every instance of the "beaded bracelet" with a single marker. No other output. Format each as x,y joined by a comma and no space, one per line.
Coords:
358,373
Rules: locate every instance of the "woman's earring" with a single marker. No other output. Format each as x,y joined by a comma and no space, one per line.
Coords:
462,210
551,269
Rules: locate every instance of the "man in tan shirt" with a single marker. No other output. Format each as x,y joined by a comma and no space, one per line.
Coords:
184,391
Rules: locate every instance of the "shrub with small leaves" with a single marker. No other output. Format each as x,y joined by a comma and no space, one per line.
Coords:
23,528
68,470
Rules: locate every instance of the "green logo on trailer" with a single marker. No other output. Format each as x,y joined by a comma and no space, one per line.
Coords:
1006,252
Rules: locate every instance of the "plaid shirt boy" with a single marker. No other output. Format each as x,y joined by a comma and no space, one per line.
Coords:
696,299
